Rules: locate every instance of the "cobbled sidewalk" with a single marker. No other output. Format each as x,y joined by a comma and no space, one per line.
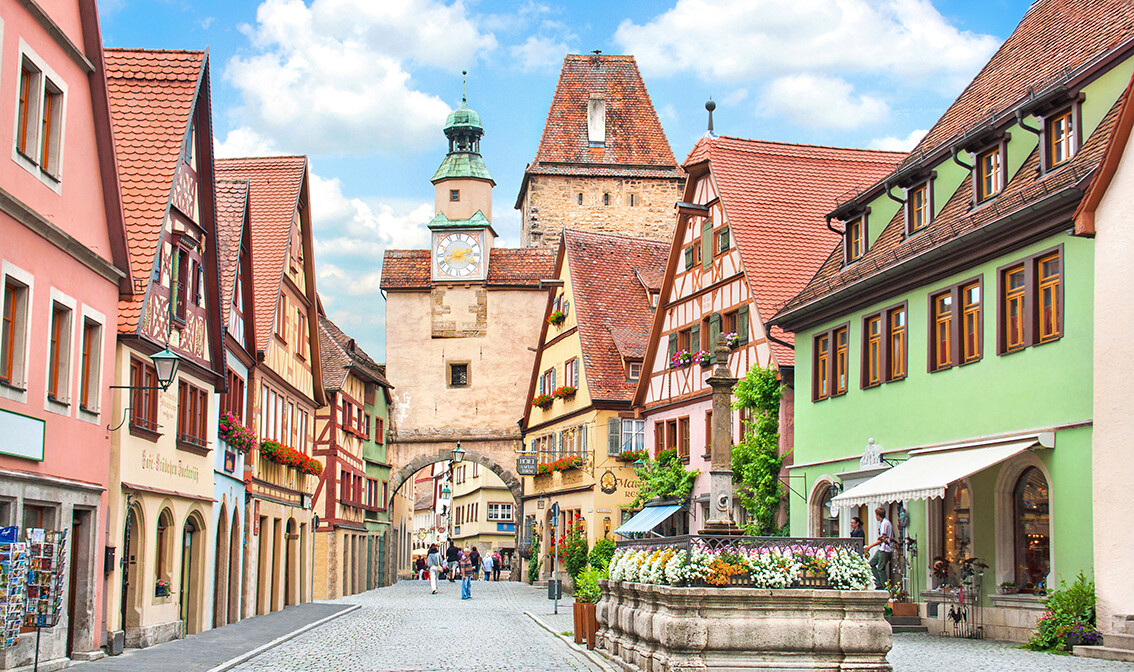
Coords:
403,628
929,653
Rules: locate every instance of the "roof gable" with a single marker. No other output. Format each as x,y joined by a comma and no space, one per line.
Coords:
339,354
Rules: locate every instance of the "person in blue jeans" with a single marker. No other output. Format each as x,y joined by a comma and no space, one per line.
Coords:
467,571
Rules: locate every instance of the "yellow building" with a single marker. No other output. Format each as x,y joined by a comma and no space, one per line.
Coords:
578,420
483,512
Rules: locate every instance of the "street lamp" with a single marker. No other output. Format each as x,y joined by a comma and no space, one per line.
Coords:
446,491
166,362
459,454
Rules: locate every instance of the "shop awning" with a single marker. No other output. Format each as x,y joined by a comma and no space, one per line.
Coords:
647,519
928,472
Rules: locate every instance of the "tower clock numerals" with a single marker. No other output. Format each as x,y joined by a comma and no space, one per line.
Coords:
458,255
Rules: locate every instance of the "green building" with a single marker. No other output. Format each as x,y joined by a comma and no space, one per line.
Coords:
944,349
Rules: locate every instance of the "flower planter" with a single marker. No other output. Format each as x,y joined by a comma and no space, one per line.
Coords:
161,591
904,609
666,628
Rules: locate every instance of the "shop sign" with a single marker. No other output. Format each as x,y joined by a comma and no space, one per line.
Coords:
527,465
21,435
609,483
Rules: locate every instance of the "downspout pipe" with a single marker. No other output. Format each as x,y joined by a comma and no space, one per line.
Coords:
833,229
770,337
957,160
899,201
1021,124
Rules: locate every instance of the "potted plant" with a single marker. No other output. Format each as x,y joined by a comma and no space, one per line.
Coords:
1008,588
544,469
633,455
732,340
556,318
704,358
543,401
161,588
681,359
587,593
564,392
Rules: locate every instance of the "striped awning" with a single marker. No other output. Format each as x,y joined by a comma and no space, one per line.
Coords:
647,519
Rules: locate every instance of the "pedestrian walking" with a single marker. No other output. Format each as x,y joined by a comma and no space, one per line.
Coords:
433,562
475,559
880,563
452,556
486,565
467,571
497,563
419,567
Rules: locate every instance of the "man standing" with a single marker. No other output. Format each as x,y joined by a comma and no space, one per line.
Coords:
451,557
467,572
880,563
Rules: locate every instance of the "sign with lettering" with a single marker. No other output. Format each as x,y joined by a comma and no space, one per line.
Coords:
527,465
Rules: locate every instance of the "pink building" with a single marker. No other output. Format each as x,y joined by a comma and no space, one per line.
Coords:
745,243
63,267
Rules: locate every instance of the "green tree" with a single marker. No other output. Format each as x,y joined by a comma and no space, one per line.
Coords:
663,477
756,460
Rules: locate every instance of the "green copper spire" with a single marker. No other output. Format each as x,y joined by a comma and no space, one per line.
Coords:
463,128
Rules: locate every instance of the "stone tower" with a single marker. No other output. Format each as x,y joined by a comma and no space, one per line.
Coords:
604,163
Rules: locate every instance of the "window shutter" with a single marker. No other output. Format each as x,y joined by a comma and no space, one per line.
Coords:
725,242
714,330
575,375
583,440
689,257
742,325
559,444
672,346
695,337
552,382
613,436
707,245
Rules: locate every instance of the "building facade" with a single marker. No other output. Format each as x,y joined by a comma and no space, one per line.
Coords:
961,258
483,513
161,494
603,164
578,419
721,232
458,317
63,267
346,549
285,385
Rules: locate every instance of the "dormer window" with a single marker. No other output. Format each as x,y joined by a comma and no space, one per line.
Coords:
1060,138
596,121
919,207
855,239
989,173
454,195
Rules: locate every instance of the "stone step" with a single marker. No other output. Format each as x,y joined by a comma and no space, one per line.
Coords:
903,620
1119,641
898,629
1105,653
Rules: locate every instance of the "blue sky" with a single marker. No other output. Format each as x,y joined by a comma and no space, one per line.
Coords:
362,87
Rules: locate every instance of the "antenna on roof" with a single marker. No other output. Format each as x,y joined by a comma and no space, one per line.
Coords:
464,84
710,106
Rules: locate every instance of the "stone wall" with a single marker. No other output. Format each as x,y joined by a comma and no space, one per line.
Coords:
551,203
651,628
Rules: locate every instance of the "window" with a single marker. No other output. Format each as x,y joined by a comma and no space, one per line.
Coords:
458,375
708,435
180,285
606,199
728,324
571,372
685,340
1059,133
633,434
500,511
13,333
723,240
578,199
379,431
826,515
1032,530
281,318
143,405
233,400
198,274
955,325
829,379
547,382
693,255
634,370
49,128
884,346
918,208
25,110
632,200
970,322
454,195
301,333
683,438
942,338
38,117
89,367
1030,306
855,239
671,435
989,171
59,353
192,415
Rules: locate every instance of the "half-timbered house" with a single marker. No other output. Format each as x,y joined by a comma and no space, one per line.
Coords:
744,243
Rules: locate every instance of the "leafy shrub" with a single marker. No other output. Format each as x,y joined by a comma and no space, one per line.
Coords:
534,563
601,553
1070,610
664,477
587,590
573,549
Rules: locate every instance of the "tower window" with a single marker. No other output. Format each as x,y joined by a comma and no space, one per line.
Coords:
632,200
454,195
606,199
579,198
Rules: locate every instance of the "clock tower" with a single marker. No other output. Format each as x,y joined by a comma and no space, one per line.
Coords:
462,228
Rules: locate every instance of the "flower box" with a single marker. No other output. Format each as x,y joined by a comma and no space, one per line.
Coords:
633,455
681,359
565,392
543,401
904,609
274,451
566,463
732,340
236,435
704,358
161,589
557,318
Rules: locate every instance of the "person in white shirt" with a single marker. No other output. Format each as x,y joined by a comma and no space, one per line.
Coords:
486,564
880,562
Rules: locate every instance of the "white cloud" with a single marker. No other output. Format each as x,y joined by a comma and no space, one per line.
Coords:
739,39
821,102
735,98
244,141
539,53
206,22
335,76
353,226
893,144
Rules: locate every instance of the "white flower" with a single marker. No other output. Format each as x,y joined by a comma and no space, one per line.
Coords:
847,570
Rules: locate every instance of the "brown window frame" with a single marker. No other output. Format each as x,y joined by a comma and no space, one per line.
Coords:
180,287
192,417
886,358
1030,298
977,353
49,112
90,357
927,206
144,402
825,368
1000,149
13,333
683,438
859,223
1074,136
58,353
24,107
959,311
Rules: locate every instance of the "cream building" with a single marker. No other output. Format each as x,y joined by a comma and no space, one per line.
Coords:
484,513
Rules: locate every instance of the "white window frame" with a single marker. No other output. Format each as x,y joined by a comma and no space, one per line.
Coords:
66,385
633,434
51,178
19,390
91,413
498,516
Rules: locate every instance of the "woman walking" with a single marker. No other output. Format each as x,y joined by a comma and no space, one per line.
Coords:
433,562
486,565
467,571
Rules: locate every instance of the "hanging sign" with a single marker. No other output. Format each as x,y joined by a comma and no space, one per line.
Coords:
527,465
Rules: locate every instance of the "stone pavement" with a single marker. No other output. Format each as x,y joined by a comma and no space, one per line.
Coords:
929,653
403,628
215,647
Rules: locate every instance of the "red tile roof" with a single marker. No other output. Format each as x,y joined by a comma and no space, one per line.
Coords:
635,142
1054,38
775,196
611,307
151,99
339,354
274,184
232,198
410,269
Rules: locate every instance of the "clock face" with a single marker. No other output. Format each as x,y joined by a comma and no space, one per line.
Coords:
458,255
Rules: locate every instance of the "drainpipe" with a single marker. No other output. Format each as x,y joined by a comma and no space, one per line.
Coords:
770,337
899,201
957,159
833,229
1021,124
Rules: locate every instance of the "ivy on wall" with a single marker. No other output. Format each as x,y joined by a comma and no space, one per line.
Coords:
756,460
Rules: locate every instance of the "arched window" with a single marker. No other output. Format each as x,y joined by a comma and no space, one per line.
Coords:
1032,530
826,519
163,565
